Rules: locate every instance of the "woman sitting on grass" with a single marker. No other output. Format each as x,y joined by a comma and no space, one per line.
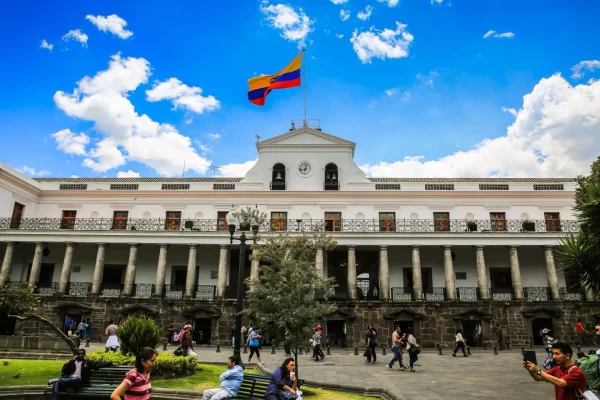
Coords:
136,384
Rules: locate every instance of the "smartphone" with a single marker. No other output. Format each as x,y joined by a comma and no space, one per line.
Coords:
529,355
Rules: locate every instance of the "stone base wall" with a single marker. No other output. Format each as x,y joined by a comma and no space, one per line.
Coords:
432,323
27,343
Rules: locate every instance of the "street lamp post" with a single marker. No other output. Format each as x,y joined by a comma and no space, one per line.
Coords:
232,223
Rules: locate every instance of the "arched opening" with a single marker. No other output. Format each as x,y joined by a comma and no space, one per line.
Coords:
278,177
331,177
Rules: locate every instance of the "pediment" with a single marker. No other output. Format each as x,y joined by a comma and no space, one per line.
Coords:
541,312
139,309
202,311
72,307
397,314
472,314
305,136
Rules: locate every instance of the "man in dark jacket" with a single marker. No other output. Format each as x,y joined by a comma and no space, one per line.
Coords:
75,372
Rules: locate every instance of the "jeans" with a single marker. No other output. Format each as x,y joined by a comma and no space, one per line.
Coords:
372,348
216,394
413,357
317,352
459,345
63,382
397,356
597,339
500,343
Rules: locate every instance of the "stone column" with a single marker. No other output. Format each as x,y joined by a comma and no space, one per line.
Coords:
254,271
161,271
416,273
7,263
98,269
481,273
551,272
515,271
319,262
36,264
589,295
449,274
222,274
130,271
65,274
352,272
190,279
384,274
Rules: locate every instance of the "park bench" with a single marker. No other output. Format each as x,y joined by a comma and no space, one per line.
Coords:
103,382
253,387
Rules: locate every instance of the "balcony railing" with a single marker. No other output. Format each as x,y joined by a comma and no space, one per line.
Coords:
502,294
46,288
536,293
174,291
436,294
467,294
278,185
80,289
571,295
399,294
206,292
144,290
331,185
111,289
291,225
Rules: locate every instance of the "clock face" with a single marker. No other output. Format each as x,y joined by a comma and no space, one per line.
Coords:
304,168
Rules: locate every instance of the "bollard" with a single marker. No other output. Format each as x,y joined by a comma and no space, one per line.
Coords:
484,344
384,353
355,350
165,345
578,348
328,350
87,342
439,349
469,350
218,347
495,350
209,344
273,349
300,350
522,349
507,345
245,350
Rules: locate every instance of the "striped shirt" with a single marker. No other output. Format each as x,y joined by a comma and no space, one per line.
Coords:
140,388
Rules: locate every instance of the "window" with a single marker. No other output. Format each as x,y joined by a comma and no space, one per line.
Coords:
175,186
461,276
222,220
439,186
387,222
279,221
441,221
223,186
333,221
278,177
387,186
72,186
549,187
498,221
173,221
17,214
493,187
120,219
331,177
552,222
68,220
124,186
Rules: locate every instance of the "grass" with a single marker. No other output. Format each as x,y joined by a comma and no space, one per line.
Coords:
38,372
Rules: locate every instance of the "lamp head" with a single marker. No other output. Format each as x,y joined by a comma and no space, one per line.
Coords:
255,230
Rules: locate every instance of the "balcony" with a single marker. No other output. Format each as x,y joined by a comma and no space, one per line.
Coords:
331,185
571,295
46,288
400,294
467,294
536,293
503,294
278,185
80,289
292,225
111,289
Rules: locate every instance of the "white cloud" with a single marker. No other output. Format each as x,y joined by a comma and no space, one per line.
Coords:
556,133
128,174
127,135
427,79
492,33
344,15
182,96
32,171
391,92
364,15
77,35
511,111
215,136
112,23
382,44
339,1
390,3
294,25
189,120
236,170
45,45
74,176
578,69
437,1
339,35
405,96
71,143
203,148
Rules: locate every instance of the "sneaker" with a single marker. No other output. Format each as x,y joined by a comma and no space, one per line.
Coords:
464,355
404,368
368,362
388,367
453,354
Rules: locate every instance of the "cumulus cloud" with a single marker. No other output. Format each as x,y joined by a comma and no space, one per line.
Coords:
77,35
497,35
128,174
45,45
71,143
127,135
556,133
215,136
580,68
382,44
405,96
390,3
182,96
391,92
364,15
339,35
511,111
236,170
344,15
294,25
32,171
112,23
339,1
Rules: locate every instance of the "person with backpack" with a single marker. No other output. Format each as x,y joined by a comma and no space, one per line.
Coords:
590,365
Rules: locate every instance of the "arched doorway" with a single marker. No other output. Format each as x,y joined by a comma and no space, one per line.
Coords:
338,330
537,319
475,325
405,318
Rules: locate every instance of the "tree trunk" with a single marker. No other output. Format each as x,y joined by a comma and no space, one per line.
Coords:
51,325
296,362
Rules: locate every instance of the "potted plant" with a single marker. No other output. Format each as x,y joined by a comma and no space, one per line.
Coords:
249,217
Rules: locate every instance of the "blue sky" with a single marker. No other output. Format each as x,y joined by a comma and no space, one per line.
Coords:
414,83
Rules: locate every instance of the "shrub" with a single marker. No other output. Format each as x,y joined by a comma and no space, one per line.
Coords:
166,364
136,333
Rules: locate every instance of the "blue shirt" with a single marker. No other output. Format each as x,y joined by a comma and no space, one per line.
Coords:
231,380
278,382
254,342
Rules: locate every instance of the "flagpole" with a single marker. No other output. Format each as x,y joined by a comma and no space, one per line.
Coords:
304,84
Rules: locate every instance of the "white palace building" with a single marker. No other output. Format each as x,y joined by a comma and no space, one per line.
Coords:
432,253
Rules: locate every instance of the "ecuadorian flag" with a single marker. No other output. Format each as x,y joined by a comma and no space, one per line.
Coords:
260,86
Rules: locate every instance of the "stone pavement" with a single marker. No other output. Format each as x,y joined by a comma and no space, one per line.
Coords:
481,376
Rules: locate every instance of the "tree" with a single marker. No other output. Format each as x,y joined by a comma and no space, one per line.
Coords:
579,255
285,300
19,302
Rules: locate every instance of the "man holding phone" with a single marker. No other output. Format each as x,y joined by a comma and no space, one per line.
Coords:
568,379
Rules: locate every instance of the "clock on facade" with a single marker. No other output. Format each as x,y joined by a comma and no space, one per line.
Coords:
304,168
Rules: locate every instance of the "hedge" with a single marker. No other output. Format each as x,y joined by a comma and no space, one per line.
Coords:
166,364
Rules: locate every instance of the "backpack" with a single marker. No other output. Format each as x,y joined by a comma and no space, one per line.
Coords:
590,368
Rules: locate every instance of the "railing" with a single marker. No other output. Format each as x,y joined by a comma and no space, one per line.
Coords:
278,185
502,294
80,289
436,294
111,290
291,225
144,290
206,292
467,294
331,185
567,295
174,291
399,295
46,288
536,293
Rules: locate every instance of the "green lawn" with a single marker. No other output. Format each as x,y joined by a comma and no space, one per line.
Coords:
38,372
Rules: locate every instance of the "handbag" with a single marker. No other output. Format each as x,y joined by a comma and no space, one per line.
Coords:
286,395
415,350
178,352
367,352
192,353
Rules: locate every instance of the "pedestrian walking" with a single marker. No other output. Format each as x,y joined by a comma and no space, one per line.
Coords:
580,330
81,329
186,339
413,349
397,343
372,345
460,343
171,332
317,344
136,385
500,337
254,345
597,335
88,328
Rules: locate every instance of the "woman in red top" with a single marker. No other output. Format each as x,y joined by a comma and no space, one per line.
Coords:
136,384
